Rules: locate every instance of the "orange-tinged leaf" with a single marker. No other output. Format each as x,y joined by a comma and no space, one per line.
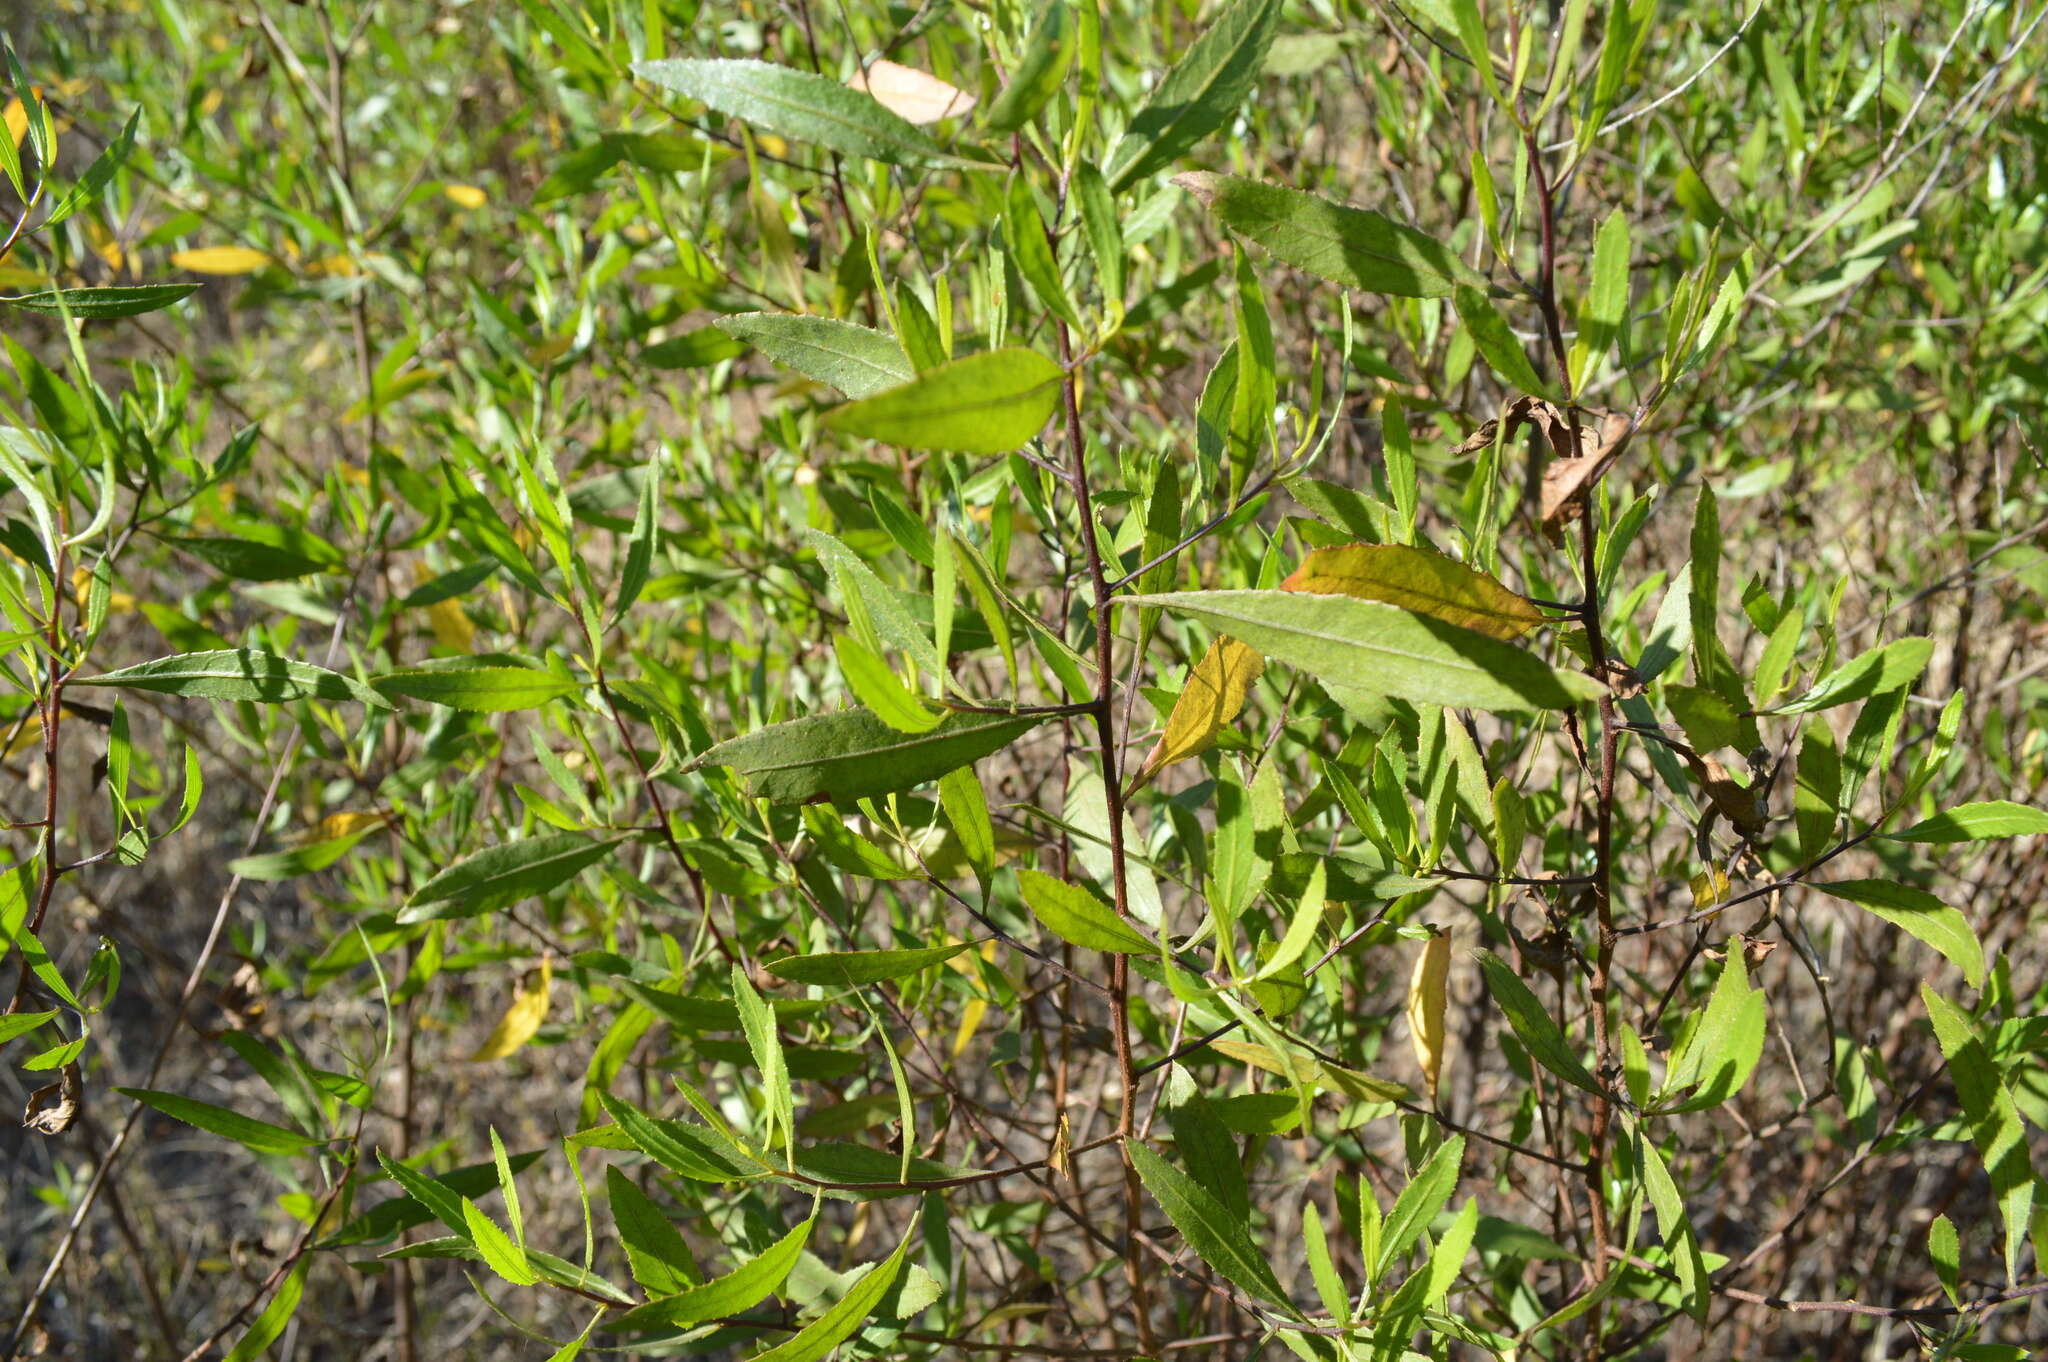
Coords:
17,121
911,94
529,1007
220,260
466,195
1213,696
1419,580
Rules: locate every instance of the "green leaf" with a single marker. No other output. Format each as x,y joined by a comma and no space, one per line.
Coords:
966,806
798,105
836,1325
1533,1026
852,755
1496,342
1920,914
1420,580
990,403
1074,914
305,860
237,674
1994,1117
1038,73
1354,247
852,969
500,1254
1604,314
479,687
1420,1202
1200,95
1946,1251
1676,1228
504,874
757,1020
100,303
688,1151
745,1287
868,597
1372,646
1447,1259
260,558
96,176
1976,823
1721,1050
258,1136
1880,670
1222,1239
1321,1267
269,1326
18,1024
659,1259
854,359
1025,233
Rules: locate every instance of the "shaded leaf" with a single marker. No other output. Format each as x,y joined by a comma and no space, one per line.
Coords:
504,874
1350,246
851,755
1222,1239
854,359
260,1136
796,104
1533,1026
1200,94
1919,914
851,969
237,674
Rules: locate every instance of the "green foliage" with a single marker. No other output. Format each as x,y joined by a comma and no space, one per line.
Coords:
606,572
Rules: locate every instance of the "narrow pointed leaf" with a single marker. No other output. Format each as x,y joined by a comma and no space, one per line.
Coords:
1977,822
1372,646
851,969
1421,580
1200,95
1533,1026
854,359
505,874
1076,915
259,1136
237,674
799,105
1920,914
1222,1239
1354,247
745,1287
851,754
990,403
100,303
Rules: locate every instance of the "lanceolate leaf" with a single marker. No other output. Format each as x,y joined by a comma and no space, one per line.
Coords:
260,1136
1533,1026
989,403
1977,822
1354,247
1222,1238
89,303
851,754
857,361
1420,1202
1421,580
1373,646
850,969
237,674
1491,334
1200,94
1073,914
741,1289
476,686
1047,53
1994,1117
1920,914
1874,673
836,1325
798,105
505,874
1214,694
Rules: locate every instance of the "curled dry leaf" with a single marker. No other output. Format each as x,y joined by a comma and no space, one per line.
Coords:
1427,1000
1572,471
911,94
53,1108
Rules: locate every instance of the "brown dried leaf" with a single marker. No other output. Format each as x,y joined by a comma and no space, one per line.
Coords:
53,1107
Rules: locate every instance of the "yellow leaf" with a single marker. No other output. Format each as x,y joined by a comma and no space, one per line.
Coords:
1420,580
27,739
910,94
333,267
17,121
220,260
1212,697
1709,888
1427,998
529,1007
337,825
466,195
771,145
448,620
